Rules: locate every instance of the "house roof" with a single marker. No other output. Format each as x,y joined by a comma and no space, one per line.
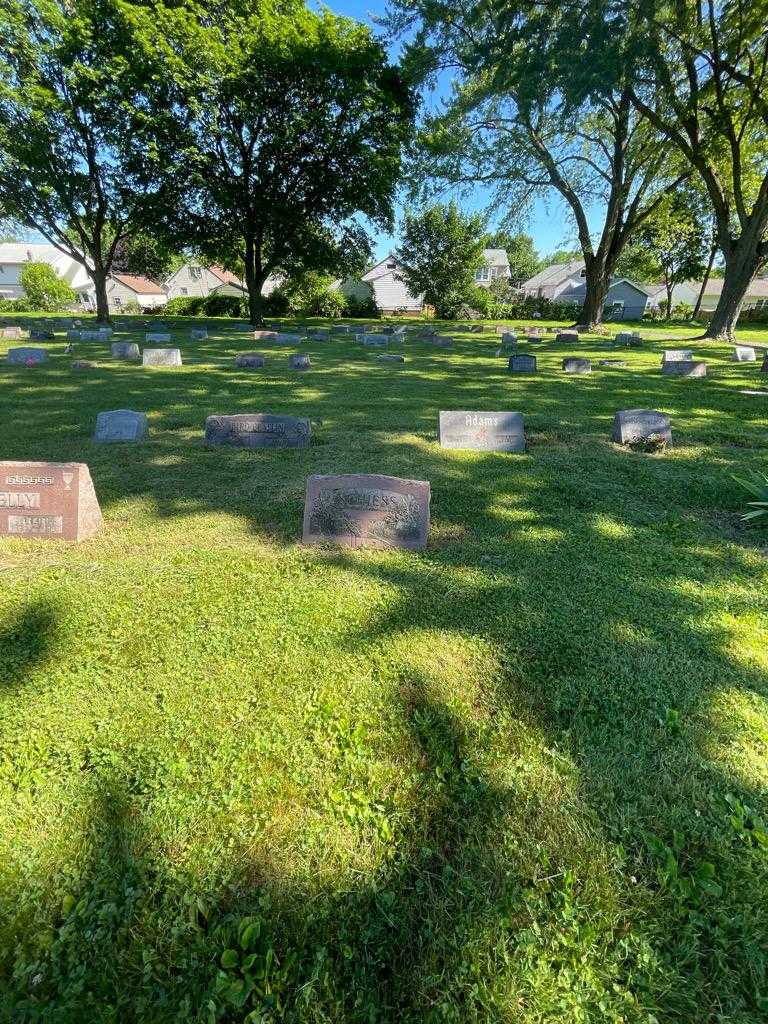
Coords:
496,257
554,274
140,285
758,288
225,276
380,269
28,252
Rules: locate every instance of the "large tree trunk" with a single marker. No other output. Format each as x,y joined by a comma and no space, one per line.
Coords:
99,276
668,286
254,282
597,282
741,265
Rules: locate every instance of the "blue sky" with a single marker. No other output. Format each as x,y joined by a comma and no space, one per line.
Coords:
548,222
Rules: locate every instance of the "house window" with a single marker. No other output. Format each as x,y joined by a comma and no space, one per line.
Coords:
118,301
195,273
391,266
184,291
483,274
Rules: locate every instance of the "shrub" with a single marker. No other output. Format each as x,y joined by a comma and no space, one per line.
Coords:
185,305
225,305
45,289
276,303
682,311
15,306
329,304
366,308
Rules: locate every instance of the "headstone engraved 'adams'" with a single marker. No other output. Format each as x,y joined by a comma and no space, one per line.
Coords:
26,356
633,425
120,425
676,355
522,364
683,368
482,431
574,365
359,510
53,500
161,357
299,362
250,361
125,350
258,430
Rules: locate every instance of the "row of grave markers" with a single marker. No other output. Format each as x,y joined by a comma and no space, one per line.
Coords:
54,500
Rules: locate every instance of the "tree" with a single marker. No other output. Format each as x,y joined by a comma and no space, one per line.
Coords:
145,254
71,164
291,122
44,289
440,252
523,259
704,85
561,256
521,122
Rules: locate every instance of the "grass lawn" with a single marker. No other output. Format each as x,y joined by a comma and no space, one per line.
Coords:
518,777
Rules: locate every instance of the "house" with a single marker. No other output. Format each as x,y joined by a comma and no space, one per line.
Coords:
193,279
626,300
496,265
687,292
13,256
129,289
550,282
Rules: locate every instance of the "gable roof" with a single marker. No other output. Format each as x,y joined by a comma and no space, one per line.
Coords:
496,257
554,274
225,276
757,289
380,269
139,285
29,252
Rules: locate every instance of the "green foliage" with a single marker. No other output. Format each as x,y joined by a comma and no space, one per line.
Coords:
146,254
45,290
185,305
523,259
755,484
440,251
15,306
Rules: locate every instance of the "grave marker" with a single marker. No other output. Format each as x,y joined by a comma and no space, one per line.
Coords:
522,364
574,365
361,510
125,350
11,333
568,337
157,337
288,339
258,430
51,500
676,355
26,356
633,425
250,360
683,368
39,334
482,431
299,362
266,335
198,334
120,425
161,357
744,354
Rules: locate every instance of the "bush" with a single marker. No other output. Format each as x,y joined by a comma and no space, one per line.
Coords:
225,305
682,311
16,306
276,303
330,304
185,305
46,291
364,308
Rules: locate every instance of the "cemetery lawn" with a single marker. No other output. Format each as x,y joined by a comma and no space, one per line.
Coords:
518,777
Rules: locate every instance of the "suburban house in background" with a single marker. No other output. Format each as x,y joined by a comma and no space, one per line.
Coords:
13,256
193,279
130,289
496,266
564,282
688,292
552,280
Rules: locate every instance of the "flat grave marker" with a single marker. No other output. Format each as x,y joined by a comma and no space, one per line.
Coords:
684,368
161,357
120,425
50,500
366,510
258,430
27,356
482,431
390,357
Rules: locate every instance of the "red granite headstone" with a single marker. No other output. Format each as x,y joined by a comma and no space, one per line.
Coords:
361,510
52,500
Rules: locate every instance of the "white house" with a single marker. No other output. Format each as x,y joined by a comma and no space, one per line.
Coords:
193,279
127,289
688,292
554,279
13,256
496,265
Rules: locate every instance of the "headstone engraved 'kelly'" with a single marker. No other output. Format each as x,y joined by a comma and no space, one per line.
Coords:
52,500
676,355
120,425
250,361
359,510
744,354
684,368
482,431
157,337
258,430
27,356
522,364
633,425
574,365
161,357
125,350
299,362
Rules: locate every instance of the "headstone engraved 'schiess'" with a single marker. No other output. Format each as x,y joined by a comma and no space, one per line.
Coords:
52,500
258,430
482,431
360,510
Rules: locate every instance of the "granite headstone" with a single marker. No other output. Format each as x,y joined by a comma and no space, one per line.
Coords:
299,362
51,500
482,431
634,425
26,356
250,361
575,365
120,425
522,364
258,430
684,368
161,357
125,350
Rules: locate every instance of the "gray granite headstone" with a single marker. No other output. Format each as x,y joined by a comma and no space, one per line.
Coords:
289,339
198,334
633,425
258,430
125,350
250,360
360,510
266,335
568,337
105,333
73,335
39,334
630,338
613,362
161,357
441,341
676,355
157,337
26,356
120,425
91,336
482,431
744,354
764,367
522,364
375,340
575,365
299,362
683,368
390,357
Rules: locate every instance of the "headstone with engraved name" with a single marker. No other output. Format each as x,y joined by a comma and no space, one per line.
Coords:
360,510
676,355
125,350
684,368
265,335
161,357
744,354
40,334
157,337
198,334
26,356
91,336
105,333
249,361
375,340
299,362
631,426
522,364
442,341
574,365
289,339
482,431
258,430
509,340
12,333
390,357
567,337
120,425
51,500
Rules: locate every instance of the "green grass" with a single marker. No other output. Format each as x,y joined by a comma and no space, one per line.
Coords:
518,777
